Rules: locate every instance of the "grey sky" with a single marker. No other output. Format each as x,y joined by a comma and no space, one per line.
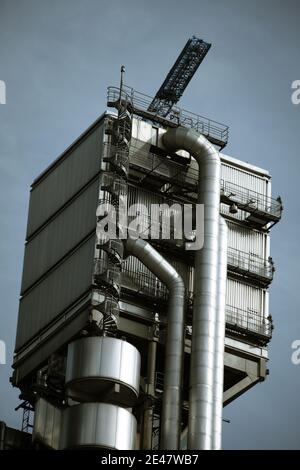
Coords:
57,58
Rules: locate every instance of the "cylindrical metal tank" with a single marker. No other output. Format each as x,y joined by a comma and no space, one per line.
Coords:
98,425
103,369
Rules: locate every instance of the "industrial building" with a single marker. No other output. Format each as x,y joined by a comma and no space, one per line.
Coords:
120,342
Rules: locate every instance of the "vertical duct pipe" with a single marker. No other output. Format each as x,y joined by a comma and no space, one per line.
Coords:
149,411
220,339
205,288
171,408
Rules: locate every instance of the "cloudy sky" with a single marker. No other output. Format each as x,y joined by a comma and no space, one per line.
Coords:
58,56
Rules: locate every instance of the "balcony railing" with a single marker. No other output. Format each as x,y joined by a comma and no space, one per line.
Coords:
143,284
242,321
215,131
267,208
154,170
249,322
250,265
238,261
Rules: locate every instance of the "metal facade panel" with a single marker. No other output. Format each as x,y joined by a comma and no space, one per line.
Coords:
247,181
67,329
65,179
142,196
136,277
244,178
244,239
60,236
54,294
243,296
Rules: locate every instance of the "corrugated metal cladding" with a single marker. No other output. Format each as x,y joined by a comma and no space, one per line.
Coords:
61,235
247,181
146,198
135,274
143,197
240,238
71,173
55,293
250,241
244,296
239,295
244,178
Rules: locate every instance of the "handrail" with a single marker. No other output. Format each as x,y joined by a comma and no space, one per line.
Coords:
249,320
250,263
178,116
237,319
251,199
232,192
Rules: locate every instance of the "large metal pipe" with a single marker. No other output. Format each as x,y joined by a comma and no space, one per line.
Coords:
149,408
220,339
205,287
171,408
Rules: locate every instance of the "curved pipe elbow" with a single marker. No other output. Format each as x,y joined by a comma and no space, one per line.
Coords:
181,138
156,263
205,284
172,401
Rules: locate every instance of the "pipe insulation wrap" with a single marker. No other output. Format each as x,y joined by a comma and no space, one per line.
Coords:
174,350
205,287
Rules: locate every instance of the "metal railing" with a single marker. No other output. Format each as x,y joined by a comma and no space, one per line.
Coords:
238,261
159,381
248,321
144,284
241,262
243,321
250,264
106,274
154,165
177,116
250,201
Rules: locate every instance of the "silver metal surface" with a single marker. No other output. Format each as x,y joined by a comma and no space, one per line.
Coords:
205,291
55,293
251,241
171,408
244,296
72,172
244,178
51,339
136,277
60,236
220,339
98,425
47,424
148,417
95,364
